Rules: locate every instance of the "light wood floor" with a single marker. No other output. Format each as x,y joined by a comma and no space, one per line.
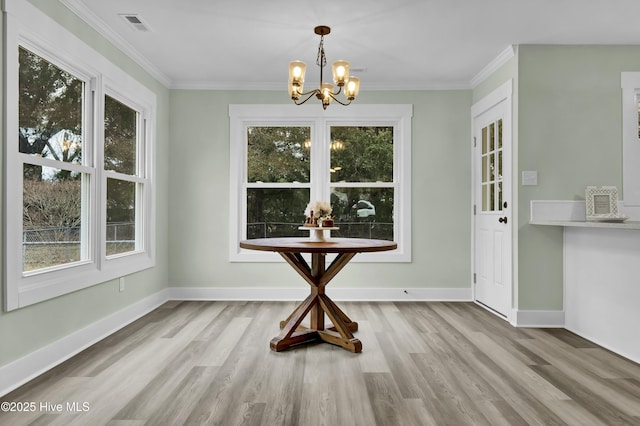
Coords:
421,364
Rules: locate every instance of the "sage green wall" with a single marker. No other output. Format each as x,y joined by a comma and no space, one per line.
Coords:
567,126
28,329
199,187
570,125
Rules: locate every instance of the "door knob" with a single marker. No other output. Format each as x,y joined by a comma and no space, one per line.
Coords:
503,220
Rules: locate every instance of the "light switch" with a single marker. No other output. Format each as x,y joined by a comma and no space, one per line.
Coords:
529,178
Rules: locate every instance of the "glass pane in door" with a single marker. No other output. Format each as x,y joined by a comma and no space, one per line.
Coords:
491,165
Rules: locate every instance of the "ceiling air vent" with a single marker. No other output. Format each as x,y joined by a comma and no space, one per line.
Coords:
135,21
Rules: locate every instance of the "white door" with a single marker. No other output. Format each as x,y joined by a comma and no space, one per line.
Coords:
492,218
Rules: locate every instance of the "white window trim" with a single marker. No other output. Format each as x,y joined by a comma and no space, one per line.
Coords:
630,83
397,115
26,25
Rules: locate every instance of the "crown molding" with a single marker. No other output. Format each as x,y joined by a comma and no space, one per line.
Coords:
84,13
493,66
279,86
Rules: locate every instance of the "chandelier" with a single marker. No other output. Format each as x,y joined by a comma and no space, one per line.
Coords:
325,93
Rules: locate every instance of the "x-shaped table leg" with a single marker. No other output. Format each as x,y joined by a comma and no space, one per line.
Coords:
317,304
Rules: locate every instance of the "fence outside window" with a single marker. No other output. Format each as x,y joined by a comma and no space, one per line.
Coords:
44,247
370,229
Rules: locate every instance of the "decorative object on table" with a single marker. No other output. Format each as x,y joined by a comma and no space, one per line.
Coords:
318,213
602,204
318,219
325,92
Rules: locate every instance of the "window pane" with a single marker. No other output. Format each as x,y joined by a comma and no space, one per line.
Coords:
121,216
363,212
51,217
492,135
276,212
361,154
50,110
120,137
278,154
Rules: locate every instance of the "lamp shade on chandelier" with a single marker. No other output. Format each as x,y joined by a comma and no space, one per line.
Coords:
348,85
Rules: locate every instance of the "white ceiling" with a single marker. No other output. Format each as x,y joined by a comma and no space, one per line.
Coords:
396,44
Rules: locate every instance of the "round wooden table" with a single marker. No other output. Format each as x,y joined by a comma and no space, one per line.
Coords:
317,304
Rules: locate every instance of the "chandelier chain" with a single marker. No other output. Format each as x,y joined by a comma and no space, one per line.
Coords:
321,60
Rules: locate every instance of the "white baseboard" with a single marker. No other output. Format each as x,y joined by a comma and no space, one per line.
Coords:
30,366
336,293
22,370
539,319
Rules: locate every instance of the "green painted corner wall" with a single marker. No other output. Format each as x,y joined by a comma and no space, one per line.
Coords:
28,329
199,186
570,131
567,127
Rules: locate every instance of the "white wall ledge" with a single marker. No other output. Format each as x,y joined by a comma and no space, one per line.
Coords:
585,224
573,214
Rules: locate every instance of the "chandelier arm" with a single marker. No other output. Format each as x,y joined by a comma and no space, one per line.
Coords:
311,93
339,101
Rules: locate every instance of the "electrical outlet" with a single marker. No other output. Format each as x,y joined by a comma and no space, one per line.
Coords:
121,284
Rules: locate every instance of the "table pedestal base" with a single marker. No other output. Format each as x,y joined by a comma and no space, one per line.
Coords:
317,304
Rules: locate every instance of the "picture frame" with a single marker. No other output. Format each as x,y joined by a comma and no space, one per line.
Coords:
602,203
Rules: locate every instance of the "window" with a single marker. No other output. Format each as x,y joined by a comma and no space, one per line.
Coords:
125,176
78,162
358,158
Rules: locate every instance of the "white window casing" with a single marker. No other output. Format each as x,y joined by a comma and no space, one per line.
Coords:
320,121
